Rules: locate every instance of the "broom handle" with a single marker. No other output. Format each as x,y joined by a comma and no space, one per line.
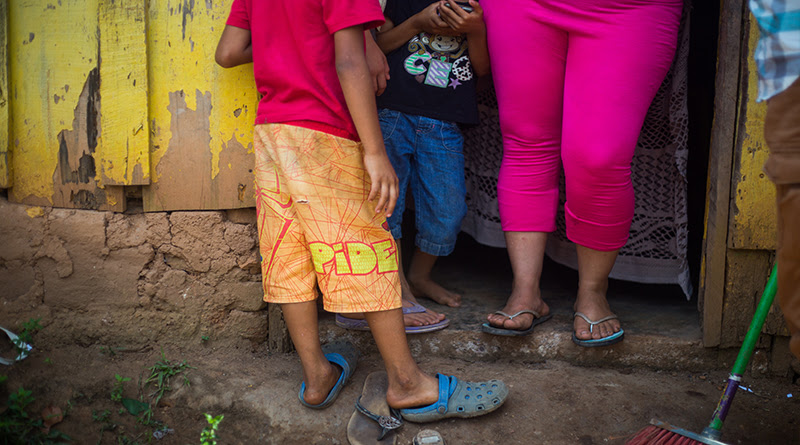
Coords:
749,344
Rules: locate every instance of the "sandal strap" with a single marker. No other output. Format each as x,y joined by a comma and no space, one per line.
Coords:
526,311
593,323
387,423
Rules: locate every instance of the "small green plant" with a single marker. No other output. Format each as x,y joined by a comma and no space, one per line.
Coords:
3,378
162,373
25,335
47,361
17,424
209,434
116,391
204,338
109,350
101,416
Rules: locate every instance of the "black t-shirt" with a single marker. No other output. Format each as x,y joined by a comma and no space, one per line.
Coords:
431,75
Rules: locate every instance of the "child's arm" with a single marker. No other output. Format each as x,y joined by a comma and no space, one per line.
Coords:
378,67
392,37
471,24
355,79
234,47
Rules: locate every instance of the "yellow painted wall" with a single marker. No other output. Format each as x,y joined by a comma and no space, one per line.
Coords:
5,174
111,93
52,48
201,115
752,224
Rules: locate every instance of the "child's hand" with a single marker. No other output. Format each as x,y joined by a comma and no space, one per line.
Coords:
384,182
462,22
378,66
429,21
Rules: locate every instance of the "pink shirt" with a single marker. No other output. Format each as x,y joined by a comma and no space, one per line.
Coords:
294,60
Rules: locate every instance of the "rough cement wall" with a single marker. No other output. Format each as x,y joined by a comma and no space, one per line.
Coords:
129,279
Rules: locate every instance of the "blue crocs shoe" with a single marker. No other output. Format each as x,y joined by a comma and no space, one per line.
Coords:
458,398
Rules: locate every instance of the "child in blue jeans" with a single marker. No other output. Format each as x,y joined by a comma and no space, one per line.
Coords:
434,52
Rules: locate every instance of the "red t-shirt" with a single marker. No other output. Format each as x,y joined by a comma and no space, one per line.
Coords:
294,60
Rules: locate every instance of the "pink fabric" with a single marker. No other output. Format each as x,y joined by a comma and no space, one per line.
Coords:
574,80
294,60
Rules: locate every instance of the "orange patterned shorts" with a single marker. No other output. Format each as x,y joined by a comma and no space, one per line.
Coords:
316,226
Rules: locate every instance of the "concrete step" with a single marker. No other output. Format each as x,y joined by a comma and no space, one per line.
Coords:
662,328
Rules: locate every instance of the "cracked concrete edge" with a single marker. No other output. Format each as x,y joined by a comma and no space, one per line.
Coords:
647,351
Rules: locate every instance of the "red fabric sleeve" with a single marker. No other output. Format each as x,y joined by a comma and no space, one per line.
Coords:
240,14
341,14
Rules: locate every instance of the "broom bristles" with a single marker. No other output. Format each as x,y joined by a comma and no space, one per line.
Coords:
653,435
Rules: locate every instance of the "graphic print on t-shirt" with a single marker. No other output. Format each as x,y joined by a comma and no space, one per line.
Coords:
438,60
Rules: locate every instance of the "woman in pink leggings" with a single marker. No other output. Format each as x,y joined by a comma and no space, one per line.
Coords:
574,80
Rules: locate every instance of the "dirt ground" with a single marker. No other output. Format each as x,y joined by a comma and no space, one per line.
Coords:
550,402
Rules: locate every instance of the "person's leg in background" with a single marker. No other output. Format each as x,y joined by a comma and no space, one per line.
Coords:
782,132
528,60
440,204
613,70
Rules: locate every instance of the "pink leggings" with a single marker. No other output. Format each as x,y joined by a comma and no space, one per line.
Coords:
574,80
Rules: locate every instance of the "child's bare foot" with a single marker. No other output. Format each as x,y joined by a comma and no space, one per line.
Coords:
411,393
426,287
416,318
319,386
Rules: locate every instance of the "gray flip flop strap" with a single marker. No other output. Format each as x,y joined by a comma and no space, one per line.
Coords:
526,311
593,323
387,423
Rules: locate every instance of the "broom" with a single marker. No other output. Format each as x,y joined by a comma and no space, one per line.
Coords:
662,433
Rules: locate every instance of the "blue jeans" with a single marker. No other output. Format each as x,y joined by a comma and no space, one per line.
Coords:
428,155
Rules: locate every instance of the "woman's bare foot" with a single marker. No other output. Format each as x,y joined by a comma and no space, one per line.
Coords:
519,301
595,306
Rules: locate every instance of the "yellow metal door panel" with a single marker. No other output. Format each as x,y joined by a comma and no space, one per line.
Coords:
201,116
54,105
752,224
123,144
5,174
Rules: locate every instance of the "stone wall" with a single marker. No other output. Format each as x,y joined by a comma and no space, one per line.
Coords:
126,280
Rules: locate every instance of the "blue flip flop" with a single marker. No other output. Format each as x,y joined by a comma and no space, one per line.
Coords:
458,398
341,353
605,341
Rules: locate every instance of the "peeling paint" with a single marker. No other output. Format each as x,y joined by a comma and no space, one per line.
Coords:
35,212
753,217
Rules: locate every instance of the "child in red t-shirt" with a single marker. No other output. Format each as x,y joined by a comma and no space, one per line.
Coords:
320,166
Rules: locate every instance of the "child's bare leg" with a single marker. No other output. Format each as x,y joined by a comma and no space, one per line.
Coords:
419,277
409,386
319,374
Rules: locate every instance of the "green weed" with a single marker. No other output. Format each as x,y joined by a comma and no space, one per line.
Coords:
17,427
110,350
25,335
116,391
209,434
162,373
